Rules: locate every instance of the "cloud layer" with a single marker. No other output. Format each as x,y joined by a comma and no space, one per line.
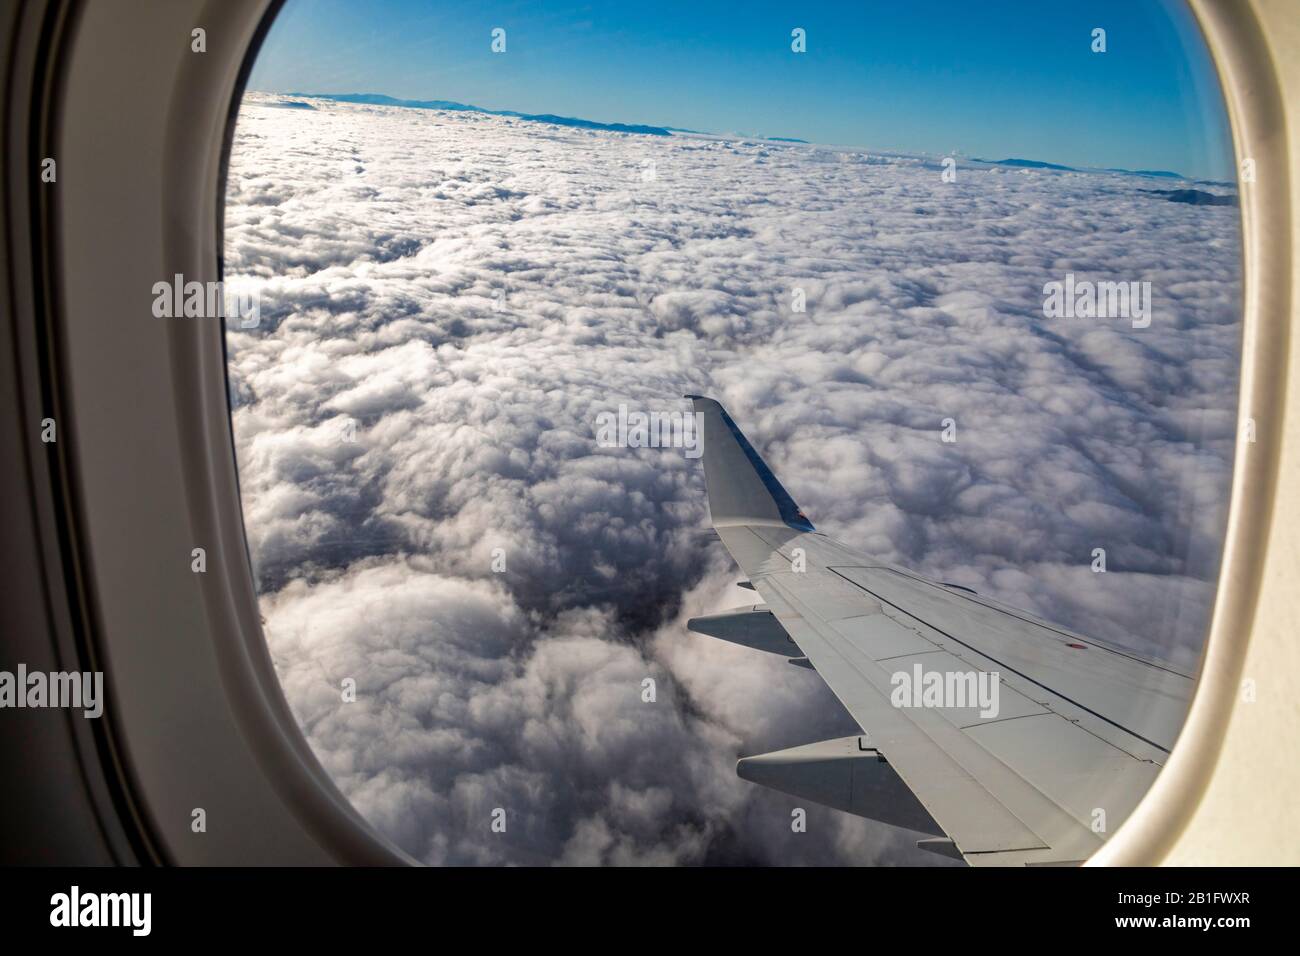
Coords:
450,299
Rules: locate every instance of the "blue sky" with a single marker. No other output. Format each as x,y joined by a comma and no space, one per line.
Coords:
992,80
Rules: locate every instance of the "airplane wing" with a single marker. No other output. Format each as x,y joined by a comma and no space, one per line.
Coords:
1004,738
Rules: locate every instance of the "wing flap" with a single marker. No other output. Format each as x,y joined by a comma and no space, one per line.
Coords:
1147,697
932,756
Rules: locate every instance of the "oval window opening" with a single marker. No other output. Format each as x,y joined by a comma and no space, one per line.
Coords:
677,437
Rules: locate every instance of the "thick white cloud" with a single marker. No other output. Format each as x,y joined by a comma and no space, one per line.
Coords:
461,295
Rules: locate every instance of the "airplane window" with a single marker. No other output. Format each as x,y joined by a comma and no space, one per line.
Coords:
957,291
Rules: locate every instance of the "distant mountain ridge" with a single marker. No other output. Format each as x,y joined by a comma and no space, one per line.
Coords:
380,99
1193,197
1036,164
1026,164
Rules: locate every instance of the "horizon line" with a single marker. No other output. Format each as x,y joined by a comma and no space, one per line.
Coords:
636,128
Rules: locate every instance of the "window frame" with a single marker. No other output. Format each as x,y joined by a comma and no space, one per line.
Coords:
142,129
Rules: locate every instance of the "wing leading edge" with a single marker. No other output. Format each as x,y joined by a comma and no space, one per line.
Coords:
1004,738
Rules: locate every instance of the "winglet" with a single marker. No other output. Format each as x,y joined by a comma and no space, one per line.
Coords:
742,489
